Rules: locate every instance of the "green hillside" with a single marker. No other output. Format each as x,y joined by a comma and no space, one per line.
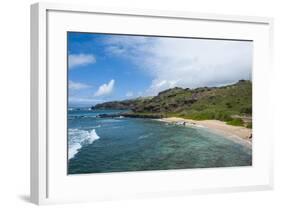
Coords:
232,103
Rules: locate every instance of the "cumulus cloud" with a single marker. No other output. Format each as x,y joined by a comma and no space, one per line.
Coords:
75,60
77,85
105,89
185,62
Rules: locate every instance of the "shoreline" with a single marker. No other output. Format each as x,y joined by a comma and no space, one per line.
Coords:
236,133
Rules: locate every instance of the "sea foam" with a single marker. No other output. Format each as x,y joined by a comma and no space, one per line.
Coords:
78,138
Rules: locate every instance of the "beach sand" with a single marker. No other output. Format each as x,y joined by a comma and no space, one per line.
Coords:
220,127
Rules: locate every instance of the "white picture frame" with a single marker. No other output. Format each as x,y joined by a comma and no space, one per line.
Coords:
50,184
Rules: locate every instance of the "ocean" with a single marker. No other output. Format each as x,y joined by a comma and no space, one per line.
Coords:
100,145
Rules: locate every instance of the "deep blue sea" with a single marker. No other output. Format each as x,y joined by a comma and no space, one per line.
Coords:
97,145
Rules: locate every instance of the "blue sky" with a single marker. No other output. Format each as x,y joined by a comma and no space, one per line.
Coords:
105,67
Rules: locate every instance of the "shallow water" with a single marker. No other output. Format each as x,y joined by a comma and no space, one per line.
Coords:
132,144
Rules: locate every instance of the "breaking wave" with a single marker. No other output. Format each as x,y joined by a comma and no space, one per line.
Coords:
78,138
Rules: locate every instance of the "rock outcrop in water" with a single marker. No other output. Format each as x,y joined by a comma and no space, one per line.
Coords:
130,115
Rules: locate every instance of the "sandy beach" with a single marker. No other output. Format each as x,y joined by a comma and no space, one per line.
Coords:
220,127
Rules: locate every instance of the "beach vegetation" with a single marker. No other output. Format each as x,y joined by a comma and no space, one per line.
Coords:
236,122
249,125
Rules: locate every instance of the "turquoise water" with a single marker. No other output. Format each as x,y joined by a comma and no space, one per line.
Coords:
97,145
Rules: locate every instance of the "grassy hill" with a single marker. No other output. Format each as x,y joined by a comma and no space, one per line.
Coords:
232,103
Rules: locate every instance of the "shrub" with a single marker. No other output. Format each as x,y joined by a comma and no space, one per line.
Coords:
246,110
236,122
222,116
249,125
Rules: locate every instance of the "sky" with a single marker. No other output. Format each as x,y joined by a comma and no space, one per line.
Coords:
106,67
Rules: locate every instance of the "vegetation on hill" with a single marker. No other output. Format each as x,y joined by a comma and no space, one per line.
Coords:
232,103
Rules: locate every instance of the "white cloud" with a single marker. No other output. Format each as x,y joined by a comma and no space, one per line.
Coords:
77,85
129,94
105,89
185,62
75,60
